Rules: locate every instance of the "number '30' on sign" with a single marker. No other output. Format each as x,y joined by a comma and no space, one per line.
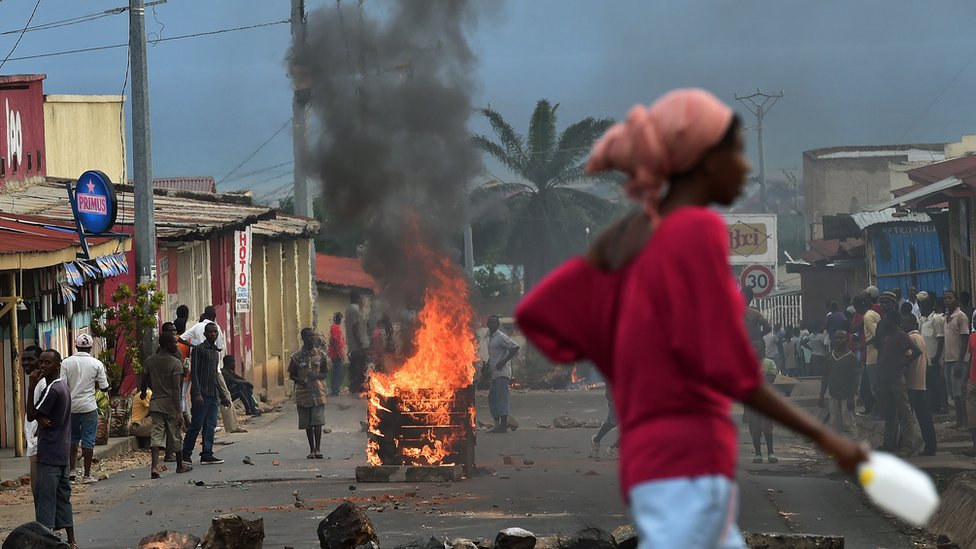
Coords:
759,278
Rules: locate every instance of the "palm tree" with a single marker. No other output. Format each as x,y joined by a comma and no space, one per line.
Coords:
547,220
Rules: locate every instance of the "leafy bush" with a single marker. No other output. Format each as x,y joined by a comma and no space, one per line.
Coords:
134,313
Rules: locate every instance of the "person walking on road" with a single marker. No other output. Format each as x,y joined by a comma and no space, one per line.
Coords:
608,425
205,395
501,350
915,381
956,347
897,353
932,328
337,353
839,384
634,307
28,361
52,412
83,374
358,341
308,369
760,426
163,373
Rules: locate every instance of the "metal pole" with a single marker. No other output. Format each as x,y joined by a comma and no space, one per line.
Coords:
19,410
759,104
144,218
299,110
468,250
762,162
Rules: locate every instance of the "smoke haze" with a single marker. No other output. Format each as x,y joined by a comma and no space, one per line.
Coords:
392,99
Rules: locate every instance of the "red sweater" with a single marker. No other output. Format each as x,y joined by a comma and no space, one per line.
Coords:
668,333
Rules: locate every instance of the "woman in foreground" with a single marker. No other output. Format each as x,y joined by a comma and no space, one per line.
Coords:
642,305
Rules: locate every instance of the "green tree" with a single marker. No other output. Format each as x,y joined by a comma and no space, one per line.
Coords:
133,313
547,219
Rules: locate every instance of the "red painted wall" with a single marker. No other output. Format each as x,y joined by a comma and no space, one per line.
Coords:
22,127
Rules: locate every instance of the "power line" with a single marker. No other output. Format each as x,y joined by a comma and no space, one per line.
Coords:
19,38
170,39
62,22
256,151
259,171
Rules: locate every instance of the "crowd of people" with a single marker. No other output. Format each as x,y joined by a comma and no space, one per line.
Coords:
903,359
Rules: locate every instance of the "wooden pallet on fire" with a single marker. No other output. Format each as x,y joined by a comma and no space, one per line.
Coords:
423,428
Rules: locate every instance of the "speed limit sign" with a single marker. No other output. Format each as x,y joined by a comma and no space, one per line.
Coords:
759,278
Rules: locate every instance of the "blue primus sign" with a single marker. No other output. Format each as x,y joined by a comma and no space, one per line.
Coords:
95,202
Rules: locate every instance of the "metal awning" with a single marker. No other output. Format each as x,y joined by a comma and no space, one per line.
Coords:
918,194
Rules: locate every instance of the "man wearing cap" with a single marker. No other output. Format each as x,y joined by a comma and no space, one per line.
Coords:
83,373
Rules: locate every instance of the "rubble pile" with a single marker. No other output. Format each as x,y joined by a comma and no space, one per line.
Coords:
349,527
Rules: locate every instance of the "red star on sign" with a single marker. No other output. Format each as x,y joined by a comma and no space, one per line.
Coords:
91,187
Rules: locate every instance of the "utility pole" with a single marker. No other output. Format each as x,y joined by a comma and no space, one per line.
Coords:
759,104
144,218
299,107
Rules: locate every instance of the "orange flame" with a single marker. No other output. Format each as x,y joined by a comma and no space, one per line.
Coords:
442,363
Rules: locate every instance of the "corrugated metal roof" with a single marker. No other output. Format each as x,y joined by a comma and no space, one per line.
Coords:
28,242
192,184
963,168
346,272
868,219
33,234
918,192
285,225
178,217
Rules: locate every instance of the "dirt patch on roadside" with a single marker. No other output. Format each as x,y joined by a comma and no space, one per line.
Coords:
17,504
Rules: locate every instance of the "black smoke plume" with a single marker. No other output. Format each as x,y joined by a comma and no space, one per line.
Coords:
391,95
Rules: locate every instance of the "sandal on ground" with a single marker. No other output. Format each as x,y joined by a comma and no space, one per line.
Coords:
318,455
185,469
154,475
310,456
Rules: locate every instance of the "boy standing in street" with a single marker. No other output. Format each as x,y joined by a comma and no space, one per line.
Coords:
308,369
52,499
840,382
164,373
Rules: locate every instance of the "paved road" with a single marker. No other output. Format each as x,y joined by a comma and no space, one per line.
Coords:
561,492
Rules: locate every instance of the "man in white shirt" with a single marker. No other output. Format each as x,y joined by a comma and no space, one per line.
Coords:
933,331
194,335
83,373
501,350
28,362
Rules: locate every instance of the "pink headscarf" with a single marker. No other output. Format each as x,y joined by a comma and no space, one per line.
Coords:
655,143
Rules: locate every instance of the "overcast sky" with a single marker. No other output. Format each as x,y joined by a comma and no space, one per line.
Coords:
866,72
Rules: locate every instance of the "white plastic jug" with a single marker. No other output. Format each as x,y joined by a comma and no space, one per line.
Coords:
899,488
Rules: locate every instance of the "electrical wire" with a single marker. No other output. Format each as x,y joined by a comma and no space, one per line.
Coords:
19,38
259,171
63,22
170,39
256,151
